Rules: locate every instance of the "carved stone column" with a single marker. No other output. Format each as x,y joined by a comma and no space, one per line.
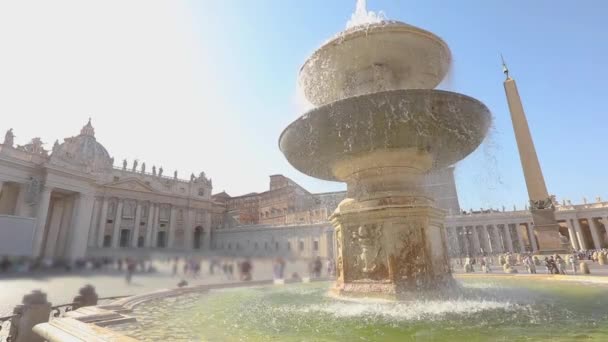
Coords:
155,225
101,225
476,242
594,233
172,227
579,233
497,246
532,237
520,240
94,223
150,227
117,222
41,216
135,236
572,233
80,227
509,238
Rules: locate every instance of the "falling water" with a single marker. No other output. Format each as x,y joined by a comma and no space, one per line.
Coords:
362,16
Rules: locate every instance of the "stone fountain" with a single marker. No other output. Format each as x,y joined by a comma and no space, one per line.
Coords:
379,125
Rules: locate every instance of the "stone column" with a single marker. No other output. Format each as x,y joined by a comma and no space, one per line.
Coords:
155,224
137,224
497,246
21,206
594,233
80,227
35,309
94,223
476,243
54,224
101,226
572,233
172,227
579,233
117,222
69,216
150,227
190,222
522,247
207,230
532,237
41,215
509,241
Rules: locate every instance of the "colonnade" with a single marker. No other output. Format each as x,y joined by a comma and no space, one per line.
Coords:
585,230
480,239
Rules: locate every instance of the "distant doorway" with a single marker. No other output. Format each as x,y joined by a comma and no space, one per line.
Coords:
198,237
124,237
160,239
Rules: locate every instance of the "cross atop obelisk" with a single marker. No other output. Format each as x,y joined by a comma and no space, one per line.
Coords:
541,205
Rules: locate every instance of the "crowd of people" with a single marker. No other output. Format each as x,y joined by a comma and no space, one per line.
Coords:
553,264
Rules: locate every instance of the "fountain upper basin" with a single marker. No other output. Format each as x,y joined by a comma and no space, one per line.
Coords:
441,125
366,59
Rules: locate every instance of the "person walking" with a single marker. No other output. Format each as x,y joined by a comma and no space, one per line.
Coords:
130,269
573,260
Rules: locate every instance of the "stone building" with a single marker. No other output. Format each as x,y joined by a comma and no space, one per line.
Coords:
71,202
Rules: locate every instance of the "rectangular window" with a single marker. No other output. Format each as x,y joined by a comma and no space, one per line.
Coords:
301,245
315,245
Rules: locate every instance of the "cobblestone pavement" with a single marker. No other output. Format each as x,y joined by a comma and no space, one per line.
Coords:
62,287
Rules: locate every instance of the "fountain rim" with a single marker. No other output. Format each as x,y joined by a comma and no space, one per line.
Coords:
367,29
440,91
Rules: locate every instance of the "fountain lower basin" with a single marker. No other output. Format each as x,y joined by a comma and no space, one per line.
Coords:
483,309
445,125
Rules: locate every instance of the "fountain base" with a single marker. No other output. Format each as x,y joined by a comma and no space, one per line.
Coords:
393,249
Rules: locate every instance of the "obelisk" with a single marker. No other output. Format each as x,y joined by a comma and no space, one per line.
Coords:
541,204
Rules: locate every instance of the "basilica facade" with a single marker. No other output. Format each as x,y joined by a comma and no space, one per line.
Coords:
72,201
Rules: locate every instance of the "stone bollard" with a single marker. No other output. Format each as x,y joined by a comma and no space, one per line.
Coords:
584,268
34,309
86,297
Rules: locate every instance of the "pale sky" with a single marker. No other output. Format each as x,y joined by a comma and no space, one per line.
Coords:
209,85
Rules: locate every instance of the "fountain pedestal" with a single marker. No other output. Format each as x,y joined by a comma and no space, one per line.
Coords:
389,237
390,250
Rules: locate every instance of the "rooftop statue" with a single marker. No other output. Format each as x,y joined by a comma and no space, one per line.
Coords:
9,138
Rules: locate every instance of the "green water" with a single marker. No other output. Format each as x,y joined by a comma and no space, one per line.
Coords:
482,310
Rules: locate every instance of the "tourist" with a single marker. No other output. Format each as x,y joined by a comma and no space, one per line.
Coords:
186,267
317,266
573,260
561,264
331,268
548,265
130,269
175,266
